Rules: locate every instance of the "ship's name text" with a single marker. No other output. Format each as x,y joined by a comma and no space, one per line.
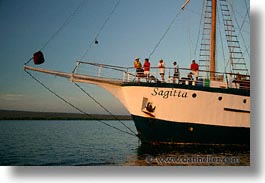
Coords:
169,93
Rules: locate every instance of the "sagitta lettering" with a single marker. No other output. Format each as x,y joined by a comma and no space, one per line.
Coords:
169,93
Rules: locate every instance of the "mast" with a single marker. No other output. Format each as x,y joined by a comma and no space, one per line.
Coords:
213,41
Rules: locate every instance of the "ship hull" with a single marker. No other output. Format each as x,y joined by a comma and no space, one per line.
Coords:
157,131
189,114
166,113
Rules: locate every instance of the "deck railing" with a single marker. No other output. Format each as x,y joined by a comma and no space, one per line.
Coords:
129,74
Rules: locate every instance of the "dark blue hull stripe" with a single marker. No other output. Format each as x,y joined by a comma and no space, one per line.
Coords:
153,130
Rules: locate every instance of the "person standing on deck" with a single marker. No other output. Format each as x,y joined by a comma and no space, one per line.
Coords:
147,69
194,67
138,67
176,72
161,65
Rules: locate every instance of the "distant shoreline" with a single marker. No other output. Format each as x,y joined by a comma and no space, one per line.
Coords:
28,115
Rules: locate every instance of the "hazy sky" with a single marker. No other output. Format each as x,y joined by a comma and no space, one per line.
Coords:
133,30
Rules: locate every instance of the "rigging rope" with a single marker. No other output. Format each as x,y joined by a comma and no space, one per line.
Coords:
247,8
200,28
97,102
163,36
108,18
101,29
26,63
168,28
73,106
222,44
243,21
188,30
66,22
242,37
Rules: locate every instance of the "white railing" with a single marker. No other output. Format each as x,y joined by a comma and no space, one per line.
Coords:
129,74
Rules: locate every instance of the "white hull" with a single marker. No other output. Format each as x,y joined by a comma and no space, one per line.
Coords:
205,108
181,105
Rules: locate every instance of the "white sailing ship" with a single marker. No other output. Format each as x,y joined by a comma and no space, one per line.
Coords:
215,109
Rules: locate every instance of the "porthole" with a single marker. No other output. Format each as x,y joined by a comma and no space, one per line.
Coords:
220,98
194,95
245,101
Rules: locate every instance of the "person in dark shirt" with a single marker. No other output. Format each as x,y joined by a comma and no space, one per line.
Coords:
176,72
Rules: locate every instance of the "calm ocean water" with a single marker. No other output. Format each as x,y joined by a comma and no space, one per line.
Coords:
90,143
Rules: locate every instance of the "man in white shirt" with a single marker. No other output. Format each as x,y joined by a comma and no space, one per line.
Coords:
161,66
